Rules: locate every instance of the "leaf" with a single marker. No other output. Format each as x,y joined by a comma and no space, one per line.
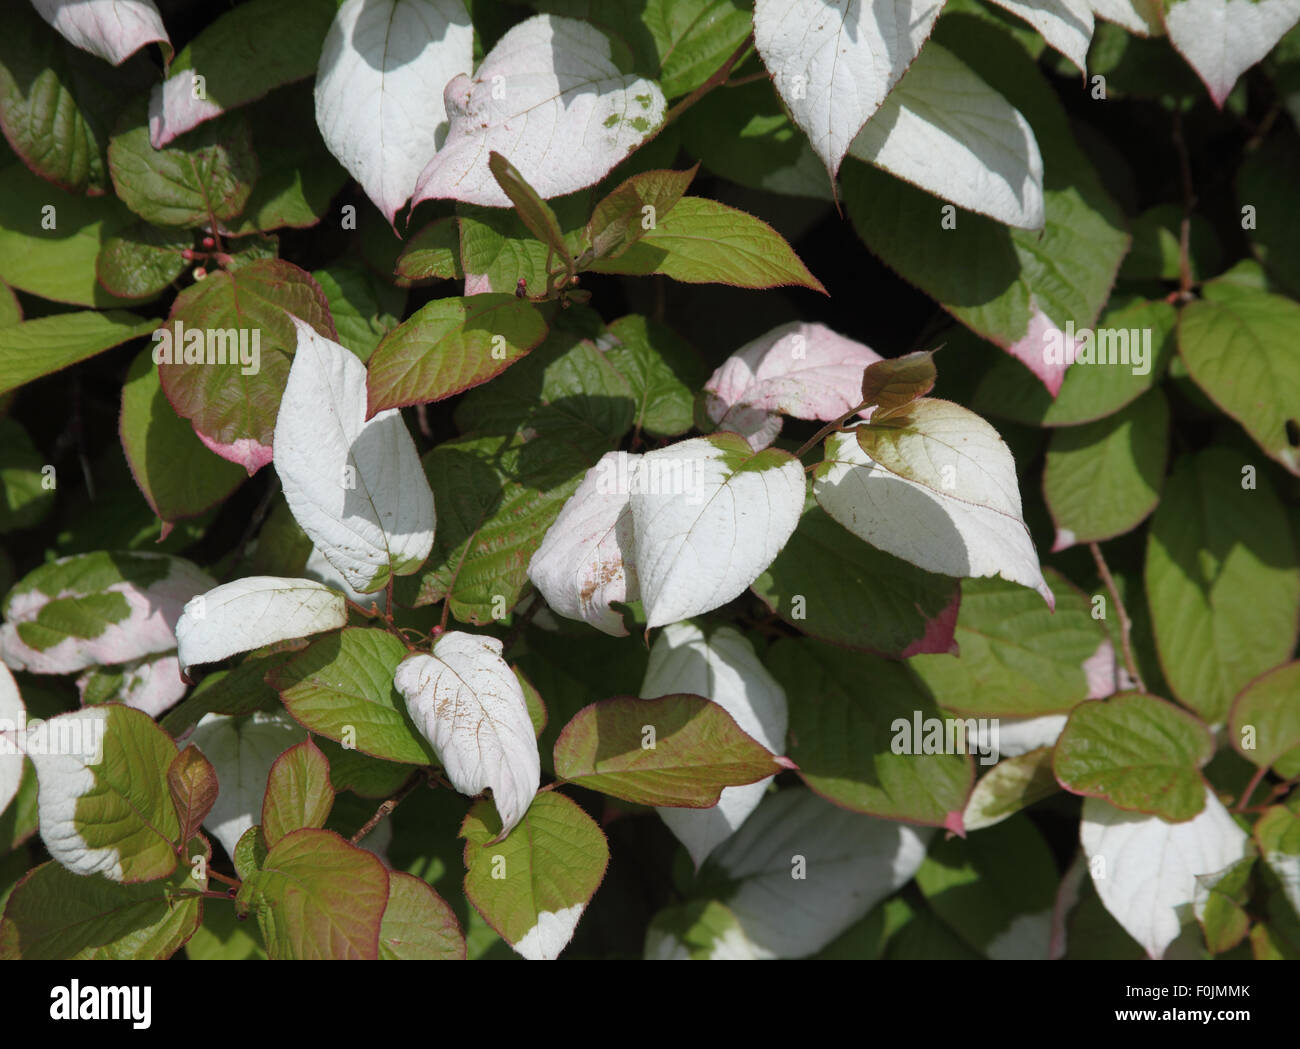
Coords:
418,924
1221,39
703,242
46,345
59,268
698,750
232,397
1138,752
662,369
803,370
142,260
316,896
1016,658
1102,479
192,784
152,684
632,208
96,609
583,116
433,253
535,213
477,339
242,750
1065,24
1220,580
55,914
1278,835
204,177
244,53
834,64
830,585
1218,905
341,687
936,486
891,385
175,472
364,308
1263,184
112,29
696,553
354,485
693,39
497,250
850,863
377,60
26,499
468,704
723,668
1238,351
1150,866
533,884
249,613
13,721
1264,722
104,803
298,792
1137,16
701,930
240,690
1012,784
846,713
941,107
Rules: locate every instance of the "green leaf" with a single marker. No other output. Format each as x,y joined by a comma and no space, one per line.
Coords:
202,177
1221,581
993,279
1219,905
316,896
418,924
703,242
702,930
10,310
662,370
141,260
1278,835
1157,246
224,938
55,914
1264,723
26,495
364,308
893,384
51,253
176,473
477,338
433,253
1011,785
240,690
250,853
192,784
298,792
533,885
535,213
693,39
622,218
341,687
852,719
1265,183
996,889
40,347
1102,479
234,405
1241,352
1140,753
497,250
1016,659
677,751
361,774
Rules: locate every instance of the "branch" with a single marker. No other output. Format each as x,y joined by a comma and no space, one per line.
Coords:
386,807
1125,624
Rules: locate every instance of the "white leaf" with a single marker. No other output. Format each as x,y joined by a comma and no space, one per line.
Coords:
13,725
468,704
551,100
721,667
112,29
379,89
357,488
1137,16
803,370
248,613
834,61
708,516
152,685
552,933
958,510
242,751
944,129
1065,24
318,568
65,751
851,862
586,561
1221,39
1145,869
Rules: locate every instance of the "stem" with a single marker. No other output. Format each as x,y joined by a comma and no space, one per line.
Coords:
1185,281
234,883
521,621
1125,624
1250,788
719,77
386,807
829,428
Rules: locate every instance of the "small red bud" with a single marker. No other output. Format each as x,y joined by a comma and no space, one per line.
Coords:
187,253
208,242
199,273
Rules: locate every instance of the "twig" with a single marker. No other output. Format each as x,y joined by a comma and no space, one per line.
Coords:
1250,788
719,77
1125,624
1185,281
387,806
829,428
